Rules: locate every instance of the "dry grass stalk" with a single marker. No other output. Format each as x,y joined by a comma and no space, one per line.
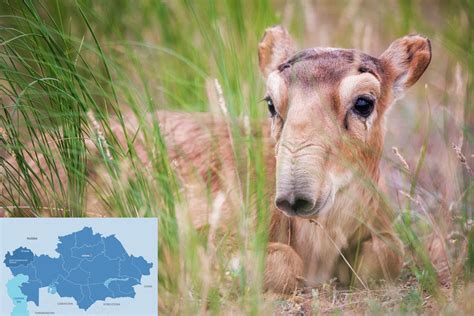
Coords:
100,134
462,159
400,157
223,107
220,98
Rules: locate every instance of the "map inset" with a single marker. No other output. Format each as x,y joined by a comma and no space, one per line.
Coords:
88,270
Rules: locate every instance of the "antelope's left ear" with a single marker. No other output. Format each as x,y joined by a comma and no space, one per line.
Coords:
405,61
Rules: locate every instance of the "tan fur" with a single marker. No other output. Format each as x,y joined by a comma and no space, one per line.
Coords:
199,146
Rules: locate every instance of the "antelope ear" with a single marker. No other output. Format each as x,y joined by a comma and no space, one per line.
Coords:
405,61
274,48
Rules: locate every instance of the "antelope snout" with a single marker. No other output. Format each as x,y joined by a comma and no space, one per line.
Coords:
295,203
301,183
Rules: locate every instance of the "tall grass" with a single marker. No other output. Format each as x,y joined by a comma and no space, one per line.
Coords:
74,75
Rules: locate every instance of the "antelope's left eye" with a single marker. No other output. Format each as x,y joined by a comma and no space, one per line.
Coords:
271,106
363,106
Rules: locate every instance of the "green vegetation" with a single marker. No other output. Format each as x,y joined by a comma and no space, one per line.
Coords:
74,73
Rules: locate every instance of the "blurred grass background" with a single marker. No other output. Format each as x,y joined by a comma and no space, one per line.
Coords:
75,73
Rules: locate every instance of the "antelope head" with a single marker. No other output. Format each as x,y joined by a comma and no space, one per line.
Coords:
327,109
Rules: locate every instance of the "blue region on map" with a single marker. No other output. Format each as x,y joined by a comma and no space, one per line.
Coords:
90,268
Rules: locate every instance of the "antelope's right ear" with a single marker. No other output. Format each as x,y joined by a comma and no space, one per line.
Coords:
274,48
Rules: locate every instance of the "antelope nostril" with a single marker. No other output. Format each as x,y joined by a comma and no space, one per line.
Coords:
284,205
303,205
298,205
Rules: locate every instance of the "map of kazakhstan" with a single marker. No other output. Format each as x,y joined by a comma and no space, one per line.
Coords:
89,267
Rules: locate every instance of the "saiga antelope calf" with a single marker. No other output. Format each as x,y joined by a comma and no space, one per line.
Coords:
327,108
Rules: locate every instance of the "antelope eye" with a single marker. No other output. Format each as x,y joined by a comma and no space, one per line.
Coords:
363,106
271,107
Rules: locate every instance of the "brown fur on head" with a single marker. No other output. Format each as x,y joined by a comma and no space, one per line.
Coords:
327,107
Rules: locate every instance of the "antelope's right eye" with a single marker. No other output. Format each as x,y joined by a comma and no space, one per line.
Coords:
271,106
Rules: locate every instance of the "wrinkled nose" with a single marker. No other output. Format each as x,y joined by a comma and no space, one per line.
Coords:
295,204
